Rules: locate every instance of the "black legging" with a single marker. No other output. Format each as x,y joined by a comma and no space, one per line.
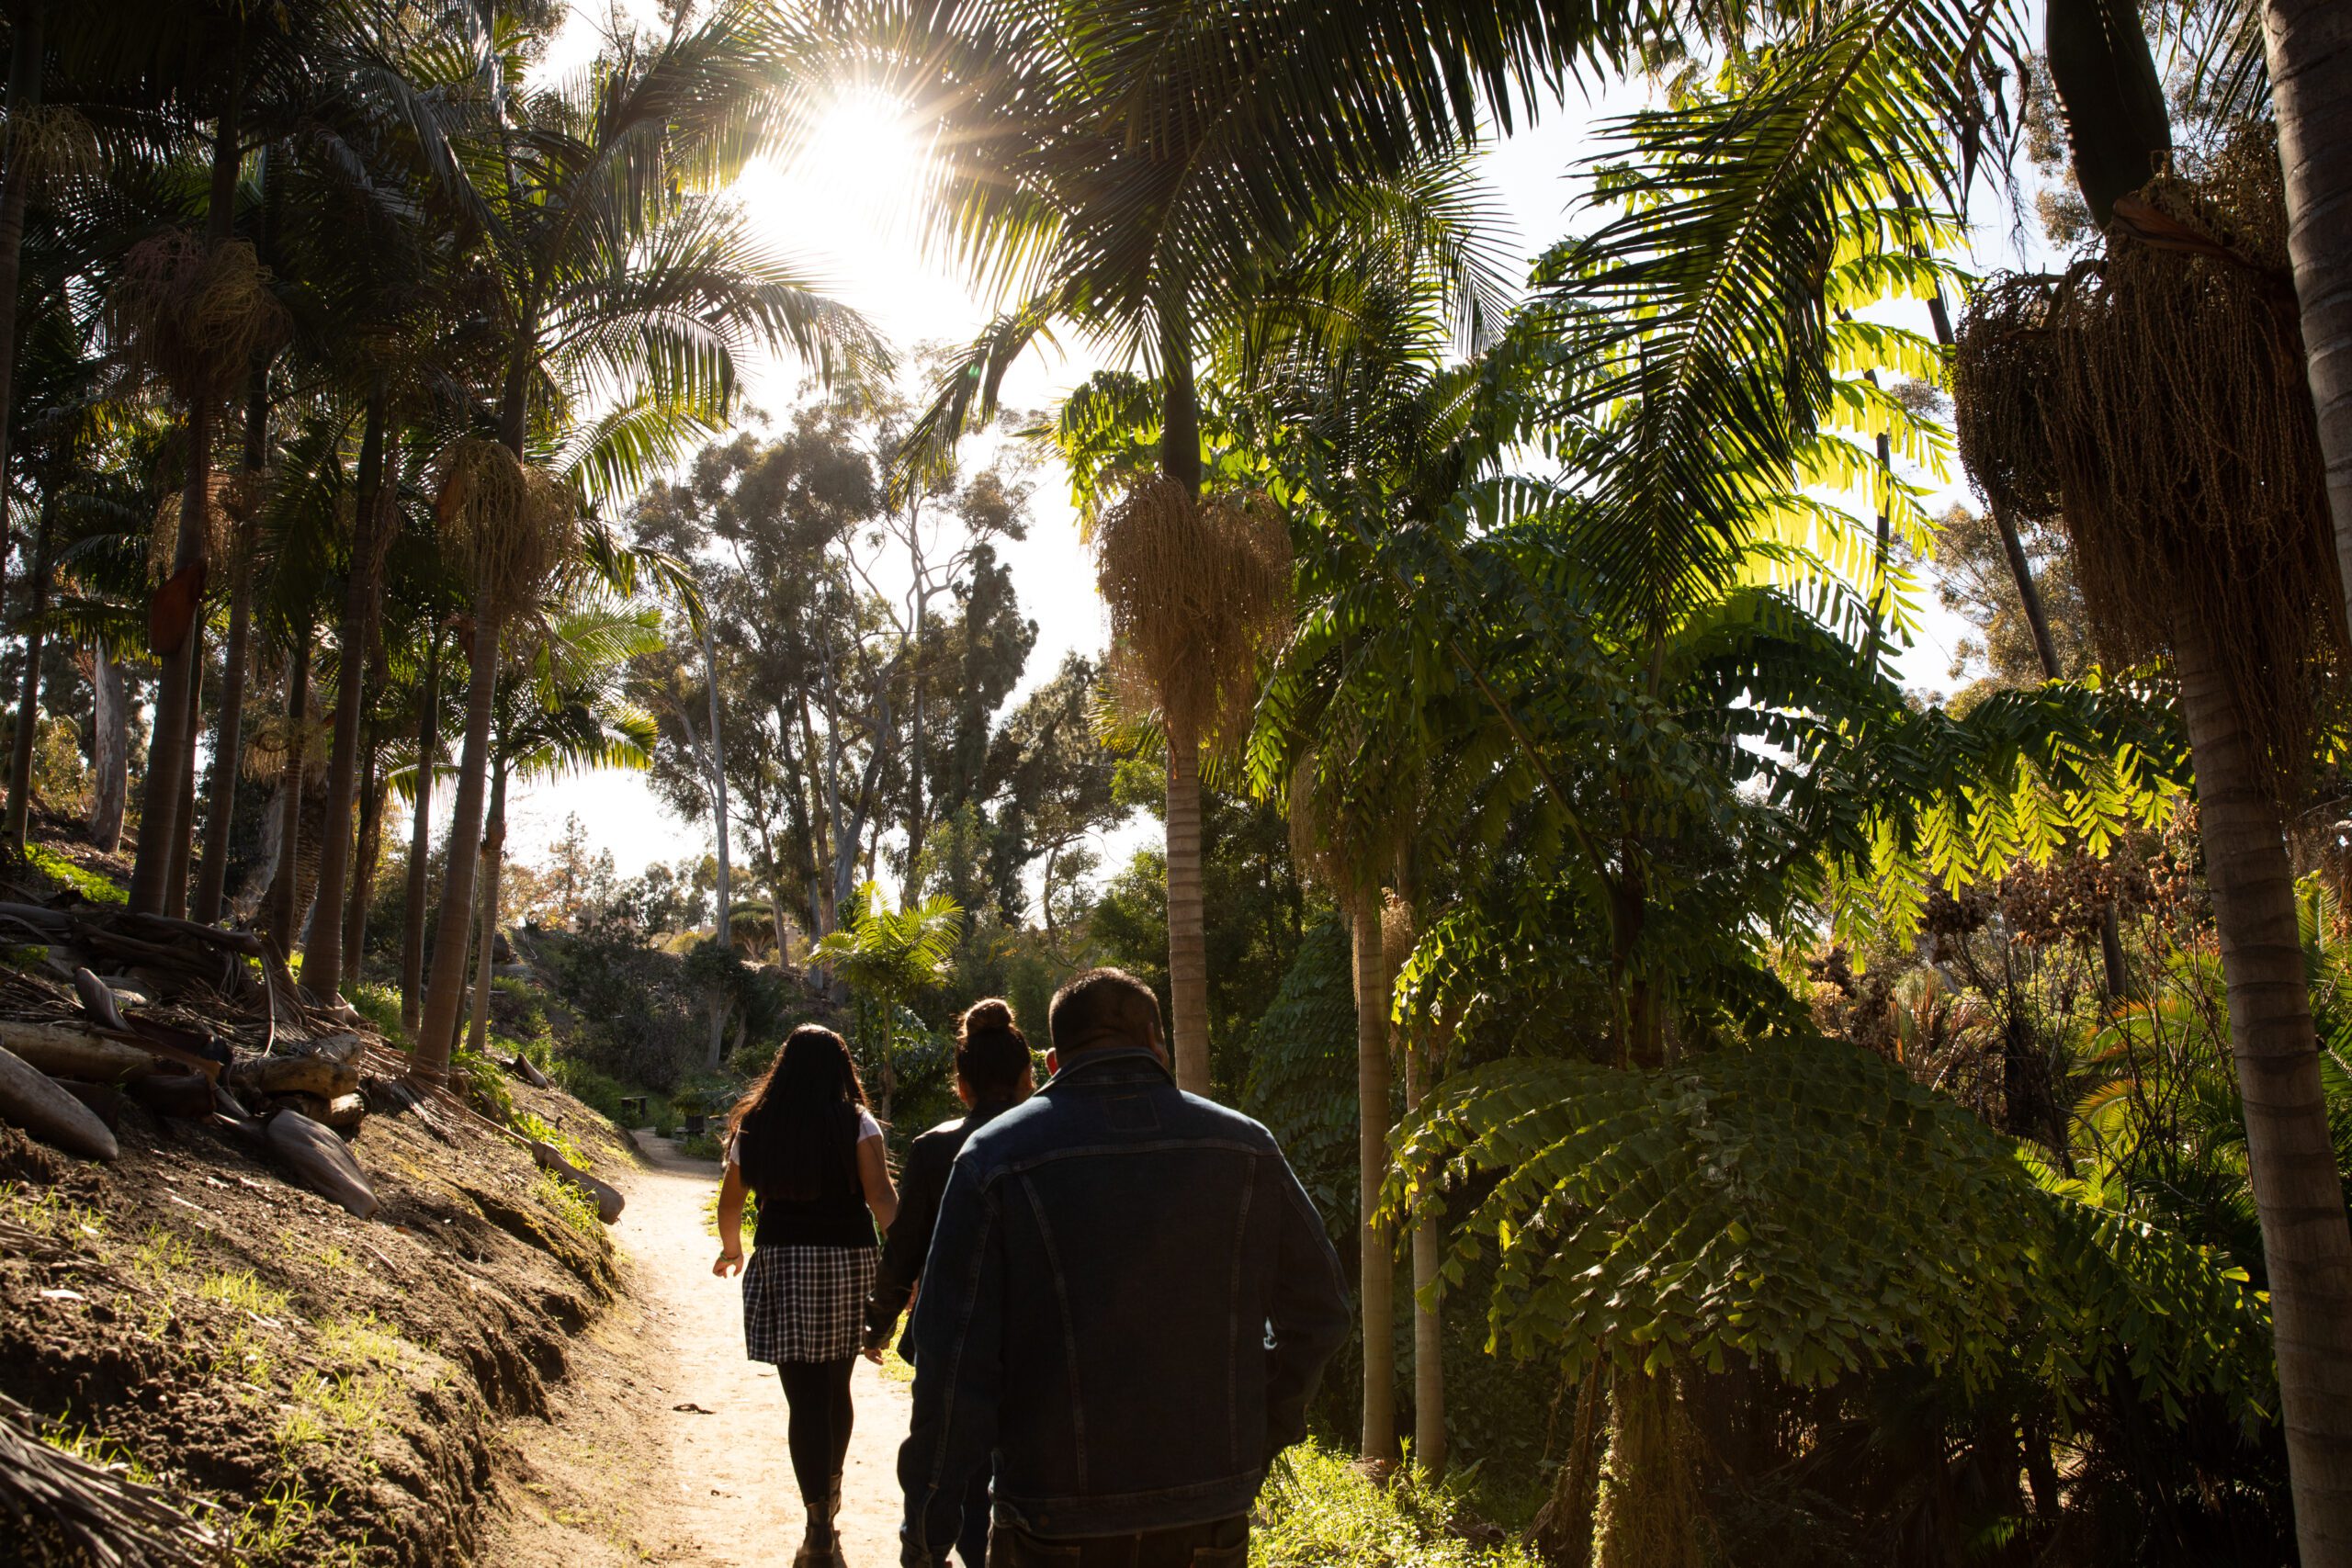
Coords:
817,1396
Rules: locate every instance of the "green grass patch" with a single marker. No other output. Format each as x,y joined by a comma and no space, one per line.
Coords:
532,1125
1319,1511
88,884
243,1292
573,1206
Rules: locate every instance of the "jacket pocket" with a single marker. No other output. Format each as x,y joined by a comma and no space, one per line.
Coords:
1011,1549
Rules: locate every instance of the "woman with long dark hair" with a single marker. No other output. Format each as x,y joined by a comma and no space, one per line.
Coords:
804,1145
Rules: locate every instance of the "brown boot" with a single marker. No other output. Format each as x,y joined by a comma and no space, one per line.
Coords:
832,1525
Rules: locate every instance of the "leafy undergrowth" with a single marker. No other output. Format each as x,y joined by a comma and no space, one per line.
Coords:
317,1389
1320,1509
92,885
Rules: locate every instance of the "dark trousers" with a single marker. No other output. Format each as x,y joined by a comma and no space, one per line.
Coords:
1224,1544
972,1540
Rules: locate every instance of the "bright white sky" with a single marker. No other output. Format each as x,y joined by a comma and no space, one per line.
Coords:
846,211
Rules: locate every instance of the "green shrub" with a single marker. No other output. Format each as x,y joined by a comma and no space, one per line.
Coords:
700,1145
380,1005
1319,1511
483,1083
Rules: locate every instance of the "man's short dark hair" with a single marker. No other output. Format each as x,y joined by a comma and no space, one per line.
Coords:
1101,1008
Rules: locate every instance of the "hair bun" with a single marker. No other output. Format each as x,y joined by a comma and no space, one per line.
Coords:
994,1013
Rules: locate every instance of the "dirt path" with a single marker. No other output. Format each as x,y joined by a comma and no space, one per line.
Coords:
666,1445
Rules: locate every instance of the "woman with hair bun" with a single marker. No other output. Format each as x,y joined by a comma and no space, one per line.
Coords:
803,1141
992,1074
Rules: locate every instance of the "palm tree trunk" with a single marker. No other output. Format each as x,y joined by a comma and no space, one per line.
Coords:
110,752
420,838
1188,957
228,729
2308,45
1376,1254
322,960
227,739
282,904
445,990
26,58
364,858
2306,1241
1428,1328
183,836
159,800
493,862
21,758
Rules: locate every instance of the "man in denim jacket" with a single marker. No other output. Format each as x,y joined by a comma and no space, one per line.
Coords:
1128,1299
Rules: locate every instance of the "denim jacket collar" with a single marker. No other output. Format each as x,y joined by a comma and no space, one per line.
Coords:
1114,1064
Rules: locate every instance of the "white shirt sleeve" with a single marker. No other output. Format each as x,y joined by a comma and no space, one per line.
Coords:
867,1127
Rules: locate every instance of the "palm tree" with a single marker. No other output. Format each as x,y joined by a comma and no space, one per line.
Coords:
888,957
1125,171
564,712
610,266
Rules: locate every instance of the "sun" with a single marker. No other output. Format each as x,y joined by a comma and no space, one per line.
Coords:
864,155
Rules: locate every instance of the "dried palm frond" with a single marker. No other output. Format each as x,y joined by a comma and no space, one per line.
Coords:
2162,396
1197,589
53,142
220,524
195,315
94,1513
513,525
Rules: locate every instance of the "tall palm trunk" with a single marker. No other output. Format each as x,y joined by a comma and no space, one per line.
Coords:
282,904
236,657
420,838
1188,956
1376,1255
21,758
493,862
2308,44
322,959
363,857
159,801
2306,1242
1188,961
1428,1328
184,838
25,57
445,989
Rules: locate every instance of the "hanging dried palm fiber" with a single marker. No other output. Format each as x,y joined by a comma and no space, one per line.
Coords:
1196,590
194,315
512,524
2155,403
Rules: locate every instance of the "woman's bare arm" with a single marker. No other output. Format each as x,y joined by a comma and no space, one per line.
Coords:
874,1170
730,1224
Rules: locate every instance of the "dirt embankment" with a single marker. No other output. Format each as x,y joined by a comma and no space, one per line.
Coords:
320,1389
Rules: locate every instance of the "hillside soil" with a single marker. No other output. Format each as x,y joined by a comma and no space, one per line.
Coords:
666,1445
321,1389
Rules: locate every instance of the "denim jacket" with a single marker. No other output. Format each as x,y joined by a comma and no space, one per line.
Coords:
1128,1302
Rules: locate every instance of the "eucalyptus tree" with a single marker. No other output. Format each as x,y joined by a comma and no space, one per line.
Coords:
609,266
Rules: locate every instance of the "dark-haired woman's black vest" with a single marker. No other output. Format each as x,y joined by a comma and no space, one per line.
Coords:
836,1217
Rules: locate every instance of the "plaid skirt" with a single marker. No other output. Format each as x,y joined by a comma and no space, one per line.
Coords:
806,1304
